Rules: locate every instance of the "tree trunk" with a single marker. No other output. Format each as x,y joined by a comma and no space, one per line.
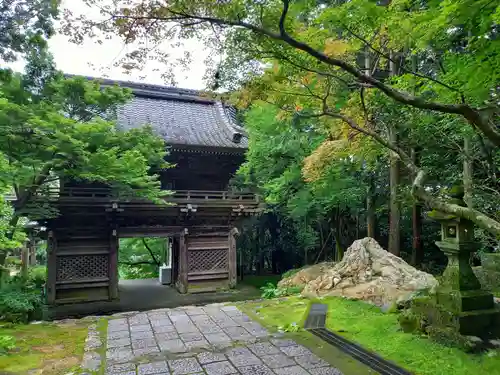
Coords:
467,172
417,255
395,211
370,208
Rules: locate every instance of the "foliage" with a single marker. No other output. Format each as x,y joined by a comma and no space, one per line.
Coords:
290,273
19,305
306,58
137,262
24,23
7,343
270,291
37,276
57,128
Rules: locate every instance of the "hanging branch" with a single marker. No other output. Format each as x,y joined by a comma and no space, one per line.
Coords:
150,252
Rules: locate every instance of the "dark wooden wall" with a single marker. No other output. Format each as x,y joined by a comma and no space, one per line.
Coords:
200,171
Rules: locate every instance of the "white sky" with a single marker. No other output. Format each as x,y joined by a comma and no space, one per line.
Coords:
96,60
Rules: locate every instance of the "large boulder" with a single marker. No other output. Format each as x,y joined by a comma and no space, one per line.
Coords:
305,275
368,272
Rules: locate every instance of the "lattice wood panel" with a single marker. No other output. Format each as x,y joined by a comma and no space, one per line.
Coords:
207,260
82,267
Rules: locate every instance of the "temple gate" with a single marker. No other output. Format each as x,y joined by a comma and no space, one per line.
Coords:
207,146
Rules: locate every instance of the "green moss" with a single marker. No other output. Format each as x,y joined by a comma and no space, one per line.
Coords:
379,332
55,349
285,311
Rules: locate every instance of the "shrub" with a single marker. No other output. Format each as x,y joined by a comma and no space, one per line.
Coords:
6,343
18,305
37,276
272,291
291,272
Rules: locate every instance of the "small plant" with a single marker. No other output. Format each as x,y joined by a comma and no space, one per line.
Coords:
292,327
269,291
19,306
6,343
272,291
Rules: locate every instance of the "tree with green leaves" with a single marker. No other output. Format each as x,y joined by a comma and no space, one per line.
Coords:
25,23
55,128
306,54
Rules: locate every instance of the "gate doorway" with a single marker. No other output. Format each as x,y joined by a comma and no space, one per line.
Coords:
145,258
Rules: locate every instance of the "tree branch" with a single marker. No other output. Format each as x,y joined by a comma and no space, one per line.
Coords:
150,252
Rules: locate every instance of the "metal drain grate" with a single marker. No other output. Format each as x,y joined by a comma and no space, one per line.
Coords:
315,323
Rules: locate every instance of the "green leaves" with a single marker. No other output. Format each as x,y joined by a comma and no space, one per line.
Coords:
52,128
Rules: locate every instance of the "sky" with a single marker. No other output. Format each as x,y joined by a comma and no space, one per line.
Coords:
96,60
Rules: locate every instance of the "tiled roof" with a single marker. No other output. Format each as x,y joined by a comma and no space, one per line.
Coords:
182,117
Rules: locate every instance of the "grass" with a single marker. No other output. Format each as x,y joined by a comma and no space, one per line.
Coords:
47,349
281,312
379,332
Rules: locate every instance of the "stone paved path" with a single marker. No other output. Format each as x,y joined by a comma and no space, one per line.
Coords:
211,340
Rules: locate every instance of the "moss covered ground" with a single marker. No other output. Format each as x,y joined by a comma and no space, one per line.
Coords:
48,349
378,332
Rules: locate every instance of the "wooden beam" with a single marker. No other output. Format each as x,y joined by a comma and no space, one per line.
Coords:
51,268
182,283
232,257
113,264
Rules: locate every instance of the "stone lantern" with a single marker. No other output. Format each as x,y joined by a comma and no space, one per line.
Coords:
464,305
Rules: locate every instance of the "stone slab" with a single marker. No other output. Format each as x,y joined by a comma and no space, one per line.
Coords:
219,368
184,366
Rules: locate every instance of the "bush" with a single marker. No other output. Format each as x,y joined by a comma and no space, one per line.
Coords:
6,343
291,272
37,276
13,261
270,291
18,305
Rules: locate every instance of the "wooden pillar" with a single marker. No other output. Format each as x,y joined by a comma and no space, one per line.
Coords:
113,264
232,257
25,260
51,268
182,283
